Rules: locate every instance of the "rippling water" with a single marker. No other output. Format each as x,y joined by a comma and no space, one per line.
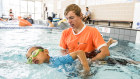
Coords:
15,42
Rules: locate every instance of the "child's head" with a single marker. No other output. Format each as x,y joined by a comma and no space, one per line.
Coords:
50,19
37,55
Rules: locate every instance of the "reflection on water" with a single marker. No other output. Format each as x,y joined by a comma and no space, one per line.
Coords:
15,42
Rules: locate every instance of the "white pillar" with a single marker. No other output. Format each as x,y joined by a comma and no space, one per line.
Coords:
0,8
136,19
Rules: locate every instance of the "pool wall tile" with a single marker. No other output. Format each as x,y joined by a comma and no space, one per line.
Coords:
108,34
133,33
112,30
104,34
121,31
116,36
133,39
112,35
126,38
121,37
116,31
127,32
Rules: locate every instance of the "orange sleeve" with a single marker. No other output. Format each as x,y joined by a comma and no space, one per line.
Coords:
98,40
28,23
63,40
23,22
19,17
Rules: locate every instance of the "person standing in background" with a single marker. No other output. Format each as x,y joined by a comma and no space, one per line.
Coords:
11,14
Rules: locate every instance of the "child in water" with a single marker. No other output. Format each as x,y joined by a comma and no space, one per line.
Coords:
39,55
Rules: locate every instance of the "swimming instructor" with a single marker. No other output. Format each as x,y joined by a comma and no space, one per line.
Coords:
82,37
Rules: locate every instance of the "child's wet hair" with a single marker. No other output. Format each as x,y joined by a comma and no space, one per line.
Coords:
37,47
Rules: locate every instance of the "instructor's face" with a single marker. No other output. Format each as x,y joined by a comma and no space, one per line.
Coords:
73,20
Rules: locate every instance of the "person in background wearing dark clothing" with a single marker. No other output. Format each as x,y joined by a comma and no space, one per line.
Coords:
30,19
53,15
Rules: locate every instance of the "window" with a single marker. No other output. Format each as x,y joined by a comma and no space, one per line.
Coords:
21,8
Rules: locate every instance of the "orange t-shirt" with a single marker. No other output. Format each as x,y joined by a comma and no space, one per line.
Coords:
87,40
23,22
19,17
0,19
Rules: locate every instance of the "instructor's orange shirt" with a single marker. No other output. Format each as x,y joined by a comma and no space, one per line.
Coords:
87,40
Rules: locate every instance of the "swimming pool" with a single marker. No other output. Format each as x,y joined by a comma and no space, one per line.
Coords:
15,42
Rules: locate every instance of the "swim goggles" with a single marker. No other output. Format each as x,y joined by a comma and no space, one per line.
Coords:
34,54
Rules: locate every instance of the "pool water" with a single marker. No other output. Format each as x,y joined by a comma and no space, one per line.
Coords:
15,42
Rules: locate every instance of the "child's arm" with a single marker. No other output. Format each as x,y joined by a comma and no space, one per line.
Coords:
82,57
133,62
